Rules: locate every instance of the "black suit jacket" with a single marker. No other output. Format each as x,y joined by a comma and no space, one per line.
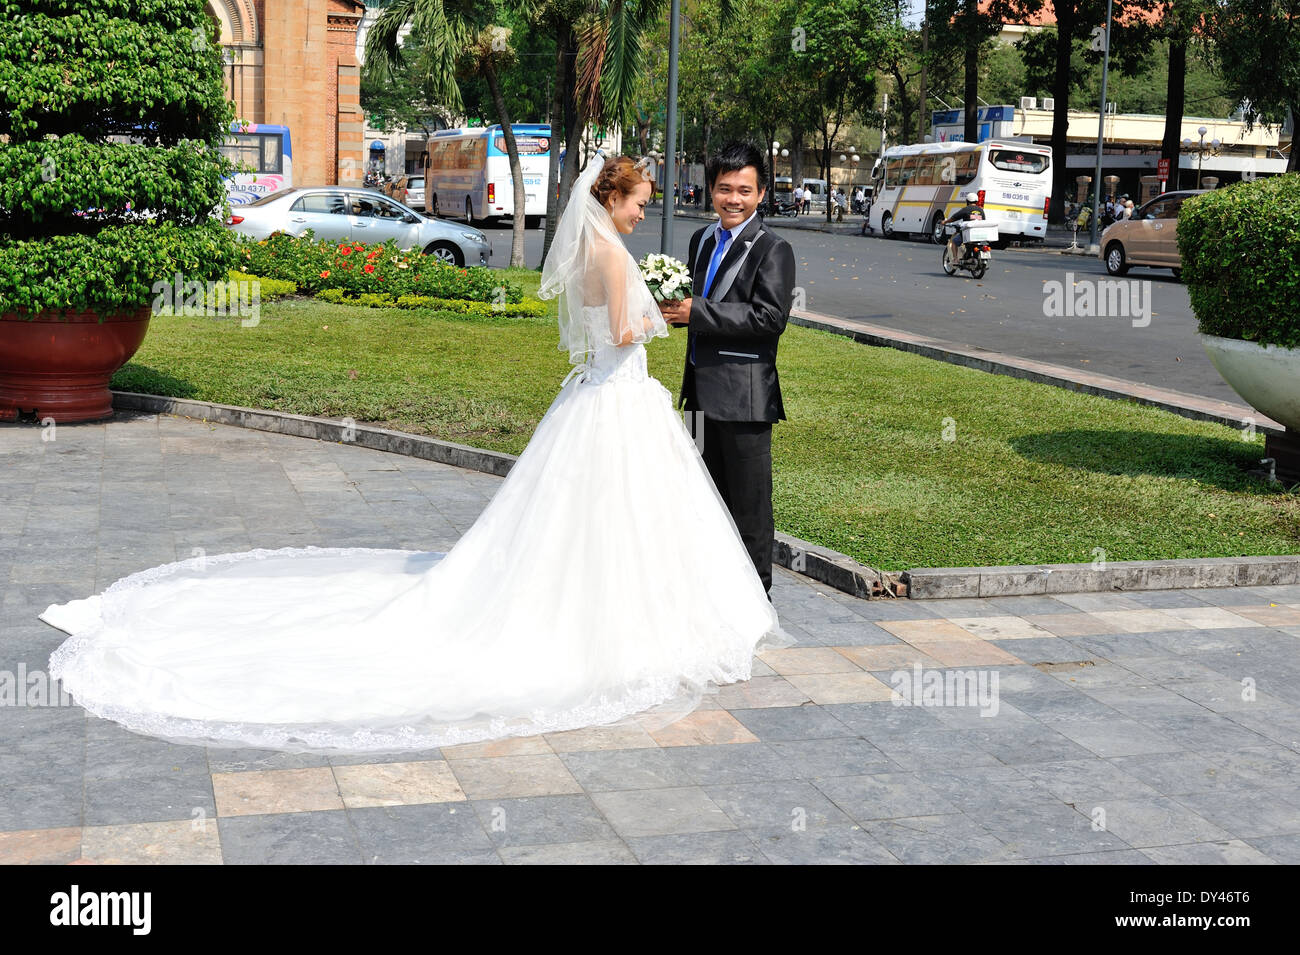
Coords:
735,330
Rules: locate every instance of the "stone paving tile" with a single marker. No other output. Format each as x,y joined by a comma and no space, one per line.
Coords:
606,770
1271,812
148,799
661,812
153,843
40,846
1235,852
791,723
542,820
501,777
831,844
299,838
718,765
1284,850
943,839
613,852
1142,728
698,848
1161,821
432,834
259,792
397,784
817,758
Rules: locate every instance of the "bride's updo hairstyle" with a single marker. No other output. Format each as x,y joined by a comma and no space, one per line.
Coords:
621,174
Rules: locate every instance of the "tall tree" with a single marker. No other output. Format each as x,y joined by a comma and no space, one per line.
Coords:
835,48
1256,44
455,38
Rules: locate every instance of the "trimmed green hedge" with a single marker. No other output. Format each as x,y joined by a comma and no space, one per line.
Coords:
113,269
359,269
528,308
1240,249
87,220
269,288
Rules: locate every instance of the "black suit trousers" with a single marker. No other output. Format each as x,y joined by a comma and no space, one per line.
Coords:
738,455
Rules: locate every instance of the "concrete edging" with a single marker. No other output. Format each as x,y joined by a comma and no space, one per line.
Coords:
1120,575
818,563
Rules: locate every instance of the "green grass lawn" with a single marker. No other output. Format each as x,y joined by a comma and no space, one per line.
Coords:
896,460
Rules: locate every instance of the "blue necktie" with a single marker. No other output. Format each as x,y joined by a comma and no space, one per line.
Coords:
719,250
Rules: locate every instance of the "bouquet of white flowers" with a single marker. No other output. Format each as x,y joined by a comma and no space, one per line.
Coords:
668,279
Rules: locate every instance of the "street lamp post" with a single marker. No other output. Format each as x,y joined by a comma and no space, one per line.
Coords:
670,163
1201,150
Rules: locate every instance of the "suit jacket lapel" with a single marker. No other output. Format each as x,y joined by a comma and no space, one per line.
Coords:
730,262
700,267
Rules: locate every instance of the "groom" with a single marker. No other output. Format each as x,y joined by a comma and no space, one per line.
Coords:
743,281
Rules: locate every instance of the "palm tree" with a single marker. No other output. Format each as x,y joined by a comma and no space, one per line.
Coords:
600,53
458,37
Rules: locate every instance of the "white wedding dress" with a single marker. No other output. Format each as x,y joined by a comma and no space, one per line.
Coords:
604,578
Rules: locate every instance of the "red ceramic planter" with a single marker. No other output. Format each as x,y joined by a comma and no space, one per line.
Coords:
57,364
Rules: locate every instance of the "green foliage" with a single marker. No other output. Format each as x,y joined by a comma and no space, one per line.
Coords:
50,183
1240,248
528,308
112,269
1256,44
110,115
269,288
355,269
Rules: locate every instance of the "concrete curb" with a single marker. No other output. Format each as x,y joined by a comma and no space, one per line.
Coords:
322,429
1104,386
1122,575
819,563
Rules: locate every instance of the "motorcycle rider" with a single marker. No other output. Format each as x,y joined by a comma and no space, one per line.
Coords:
971,211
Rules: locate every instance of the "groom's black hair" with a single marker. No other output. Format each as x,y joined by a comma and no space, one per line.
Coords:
732,158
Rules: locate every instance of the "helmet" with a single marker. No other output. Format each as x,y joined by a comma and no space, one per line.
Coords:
972,197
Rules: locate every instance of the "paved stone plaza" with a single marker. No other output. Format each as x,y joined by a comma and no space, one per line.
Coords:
1127,727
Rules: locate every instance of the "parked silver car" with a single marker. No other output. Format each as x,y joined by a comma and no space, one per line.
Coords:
341,214
415,192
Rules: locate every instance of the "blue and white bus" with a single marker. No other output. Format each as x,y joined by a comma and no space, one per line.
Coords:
467,172
268,152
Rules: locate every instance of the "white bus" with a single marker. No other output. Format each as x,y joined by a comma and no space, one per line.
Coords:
917,187
467,172
266,152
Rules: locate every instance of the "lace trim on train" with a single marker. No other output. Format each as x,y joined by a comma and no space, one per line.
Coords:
341,739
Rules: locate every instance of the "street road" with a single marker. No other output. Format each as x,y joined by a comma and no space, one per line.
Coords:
1017,308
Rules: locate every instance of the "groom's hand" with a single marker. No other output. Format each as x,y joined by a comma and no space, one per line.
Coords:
676,312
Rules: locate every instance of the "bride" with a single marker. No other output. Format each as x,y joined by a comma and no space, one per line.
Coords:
604,578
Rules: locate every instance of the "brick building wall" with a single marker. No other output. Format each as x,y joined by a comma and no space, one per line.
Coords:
295,65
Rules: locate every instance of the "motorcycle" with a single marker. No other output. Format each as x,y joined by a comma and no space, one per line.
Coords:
976,252
780,208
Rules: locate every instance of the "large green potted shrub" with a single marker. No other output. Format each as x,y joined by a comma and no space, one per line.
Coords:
111,112
1240,248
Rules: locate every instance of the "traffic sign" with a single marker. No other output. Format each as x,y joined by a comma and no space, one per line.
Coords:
1162,169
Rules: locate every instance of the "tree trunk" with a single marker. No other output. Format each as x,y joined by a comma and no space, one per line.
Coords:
971,95
557,118
573,123
1175,90
826,172
796,157
1065,25
516,167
